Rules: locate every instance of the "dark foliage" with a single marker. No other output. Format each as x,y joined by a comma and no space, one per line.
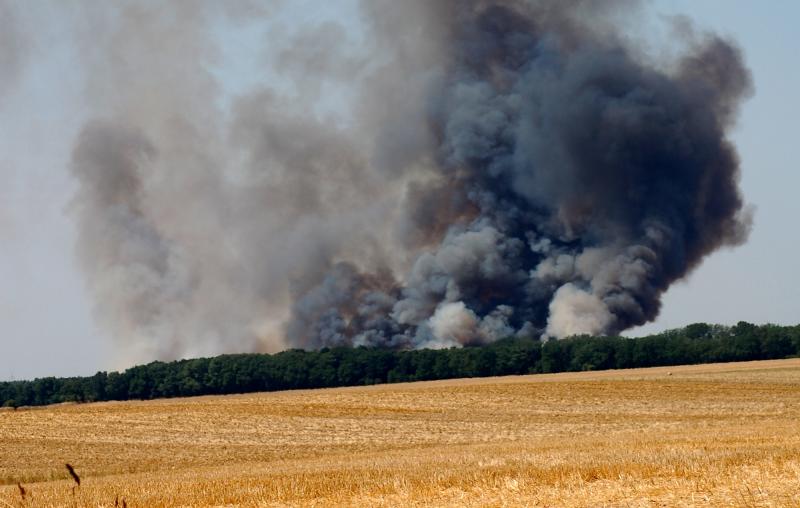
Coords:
294,369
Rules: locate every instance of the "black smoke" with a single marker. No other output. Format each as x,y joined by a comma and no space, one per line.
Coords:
507,167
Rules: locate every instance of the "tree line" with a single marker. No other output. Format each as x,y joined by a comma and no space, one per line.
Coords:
330,367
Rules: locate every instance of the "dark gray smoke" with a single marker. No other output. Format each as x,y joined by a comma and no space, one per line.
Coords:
500,167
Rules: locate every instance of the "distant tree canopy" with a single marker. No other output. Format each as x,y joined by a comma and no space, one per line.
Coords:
293,369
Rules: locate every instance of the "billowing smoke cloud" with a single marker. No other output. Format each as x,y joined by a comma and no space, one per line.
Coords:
489,168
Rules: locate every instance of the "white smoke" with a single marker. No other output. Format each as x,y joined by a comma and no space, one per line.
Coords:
453,324
574,311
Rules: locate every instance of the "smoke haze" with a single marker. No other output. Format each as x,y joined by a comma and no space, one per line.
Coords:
491,168
14,46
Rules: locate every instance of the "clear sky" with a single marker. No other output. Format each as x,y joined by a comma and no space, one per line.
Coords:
46,315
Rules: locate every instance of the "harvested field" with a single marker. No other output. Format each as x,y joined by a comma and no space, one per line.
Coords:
708,435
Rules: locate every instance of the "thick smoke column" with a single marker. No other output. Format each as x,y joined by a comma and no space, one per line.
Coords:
506,167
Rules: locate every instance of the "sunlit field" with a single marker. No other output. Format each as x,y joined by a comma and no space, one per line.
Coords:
709,435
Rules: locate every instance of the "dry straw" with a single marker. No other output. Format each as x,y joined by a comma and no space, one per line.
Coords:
616,438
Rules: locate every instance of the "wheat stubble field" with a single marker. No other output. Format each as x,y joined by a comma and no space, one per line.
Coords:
712,435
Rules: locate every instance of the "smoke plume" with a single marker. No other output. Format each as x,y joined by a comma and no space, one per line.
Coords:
457,172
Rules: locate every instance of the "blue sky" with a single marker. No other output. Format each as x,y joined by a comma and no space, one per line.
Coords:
45,312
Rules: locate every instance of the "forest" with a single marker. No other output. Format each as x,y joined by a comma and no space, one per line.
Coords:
345,366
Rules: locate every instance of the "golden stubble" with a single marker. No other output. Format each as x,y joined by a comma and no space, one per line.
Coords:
709,435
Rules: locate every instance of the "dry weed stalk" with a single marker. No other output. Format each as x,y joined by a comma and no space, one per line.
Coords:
77,480
73,474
